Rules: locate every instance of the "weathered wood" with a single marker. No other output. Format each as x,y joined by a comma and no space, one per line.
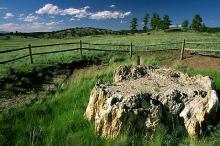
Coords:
161,44
109,44
202,50
138,61
50,52
13,50
107,50
183,49
50,45
30,54
131,47
80,46
155,50
14,59
202,42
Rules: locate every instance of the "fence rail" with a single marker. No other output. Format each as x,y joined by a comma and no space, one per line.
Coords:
131,49
14,59
13,50
199,43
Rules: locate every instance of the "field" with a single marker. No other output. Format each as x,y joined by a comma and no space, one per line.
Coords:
57,119
139,41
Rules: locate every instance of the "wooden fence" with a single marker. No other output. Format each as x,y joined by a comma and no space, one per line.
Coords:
131,49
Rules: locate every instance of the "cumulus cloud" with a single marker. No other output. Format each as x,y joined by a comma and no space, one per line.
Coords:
55,10
111,6
81,12
8,15
28,18
109,15
31,18
49,9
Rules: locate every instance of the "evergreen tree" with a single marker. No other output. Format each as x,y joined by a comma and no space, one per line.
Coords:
134,25
197,23
165,23
185,24
155,21
204,28
145,21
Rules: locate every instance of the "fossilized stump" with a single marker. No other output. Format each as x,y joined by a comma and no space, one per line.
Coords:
142,98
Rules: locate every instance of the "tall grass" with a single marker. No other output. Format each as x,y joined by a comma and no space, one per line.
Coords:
58,119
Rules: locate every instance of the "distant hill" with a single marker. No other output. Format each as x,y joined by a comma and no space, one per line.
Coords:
72,32
3,32
213,29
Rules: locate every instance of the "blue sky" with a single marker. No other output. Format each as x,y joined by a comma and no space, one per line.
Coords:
48,15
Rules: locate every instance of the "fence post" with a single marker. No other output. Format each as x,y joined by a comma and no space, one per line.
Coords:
81,54
30,54
183,49
138,61
131,45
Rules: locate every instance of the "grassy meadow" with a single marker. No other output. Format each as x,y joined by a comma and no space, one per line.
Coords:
57,119
139,41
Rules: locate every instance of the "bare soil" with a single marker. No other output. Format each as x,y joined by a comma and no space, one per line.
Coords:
202,62
21,88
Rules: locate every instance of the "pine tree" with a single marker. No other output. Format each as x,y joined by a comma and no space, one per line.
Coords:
133,25
165,23
197,23
155,21
145,21
185,24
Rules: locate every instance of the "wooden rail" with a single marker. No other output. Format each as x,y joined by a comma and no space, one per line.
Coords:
51,45
14,59
202,43
51,52
13,50
129,50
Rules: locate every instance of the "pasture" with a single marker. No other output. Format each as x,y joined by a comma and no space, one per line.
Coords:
139,41
57,118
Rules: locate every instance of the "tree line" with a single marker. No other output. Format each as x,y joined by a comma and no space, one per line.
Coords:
157,23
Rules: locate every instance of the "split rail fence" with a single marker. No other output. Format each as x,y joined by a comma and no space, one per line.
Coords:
182,47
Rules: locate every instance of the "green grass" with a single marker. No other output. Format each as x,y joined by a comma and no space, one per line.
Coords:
58,119
139,40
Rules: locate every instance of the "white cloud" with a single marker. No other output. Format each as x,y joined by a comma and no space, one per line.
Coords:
31,18
55,10
49,9
52,17
72,19
21,15
52,23
81,12
108,15
8,15
30,27
78,13
122,21
111,6
9,27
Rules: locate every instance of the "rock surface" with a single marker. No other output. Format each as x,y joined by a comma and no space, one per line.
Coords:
143,98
